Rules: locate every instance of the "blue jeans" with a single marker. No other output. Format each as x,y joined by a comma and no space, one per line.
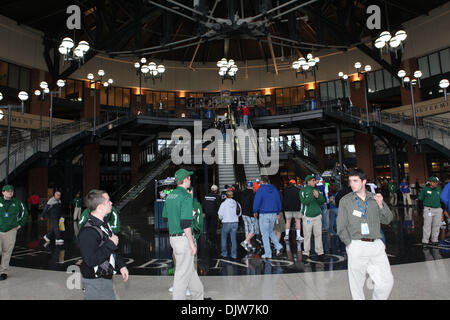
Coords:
324,216
333,217
229,227
245,121
266,224
55,229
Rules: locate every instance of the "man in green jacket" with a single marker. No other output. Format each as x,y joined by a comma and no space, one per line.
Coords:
393,192
76,205
13,216
311,200
432,211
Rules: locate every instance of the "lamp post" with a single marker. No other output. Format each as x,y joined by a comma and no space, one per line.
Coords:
73,54
90,76
344,81
443,84
367,69
23,96
391,43
411,83
40,94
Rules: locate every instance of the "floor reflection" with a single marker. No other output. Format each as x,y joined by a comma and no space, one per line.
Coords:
149,253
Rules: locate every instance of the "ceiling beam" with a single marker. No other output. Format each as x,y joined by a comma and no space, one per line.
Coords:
375,55
272,53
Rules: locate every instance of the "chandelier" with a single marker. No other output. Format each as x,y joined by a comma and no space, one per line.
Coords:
151,70
386,42
304,66
66,48
227,69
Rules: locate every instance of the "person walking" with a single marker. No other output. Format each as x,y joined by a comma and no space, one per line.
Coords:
432,211
211,204
13,216
291,206
34,201
406,192
311,200
324,207
333,208
392,192
112,218
267,204
54,208
358,226
245,113
98,248
229,213
250,221
77,204
178,212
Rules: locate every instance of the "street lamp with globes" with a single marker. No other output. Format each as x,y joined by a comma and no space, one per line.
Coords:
411,83
443,84
365,74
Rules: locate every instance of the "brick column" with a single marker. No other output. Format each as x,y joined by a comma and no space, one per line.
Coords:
320,152
135,162
418,169
91,167
364,154
357,88
88,98
38,181
35,103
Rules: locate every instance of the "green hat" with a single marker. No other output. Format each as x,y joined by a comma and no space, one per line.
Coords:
181,174
309,177
433,179
8,187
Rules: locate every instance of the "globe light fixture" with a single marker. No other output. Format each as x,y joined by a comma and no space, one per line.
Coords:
71,53
150,70
227,69
385,42
443,84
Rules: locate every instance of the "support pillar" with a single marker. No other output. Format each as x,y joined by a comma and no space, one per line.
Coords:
135,162
91,167
418,169
364,154
38,181
320,152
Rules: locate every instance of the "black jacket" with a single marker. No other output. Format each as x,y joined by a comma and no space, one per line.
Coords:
93,255
211,203
246,200
340,194
291,198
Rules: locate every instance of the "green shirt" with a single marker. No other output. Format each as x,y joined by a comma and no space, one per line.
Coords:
112,218
76,202
430,197
392,187
350,217
310,204
197,222
178,206
13,213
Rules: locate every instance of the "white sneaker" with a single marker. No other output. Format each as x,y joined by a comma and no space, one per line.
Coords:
171,289
46,239
59,241
286,237
300,238
188,292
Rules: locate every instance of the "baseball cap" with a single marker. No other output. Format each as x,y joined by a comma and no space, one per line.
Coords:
214,187
257,180
181,174
309,177
433,179
292,181
249,184
7,187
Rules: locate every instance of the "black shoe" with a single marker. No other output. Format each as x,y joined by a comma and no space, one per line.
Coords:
207,298
3,276
435,244
279,252
321,257
424,245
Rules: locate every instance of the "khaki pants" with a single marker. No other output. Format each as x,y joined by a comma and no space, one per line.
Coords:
407,199
76,213
393,199
314,226
369,257
185,274
432,218
7,242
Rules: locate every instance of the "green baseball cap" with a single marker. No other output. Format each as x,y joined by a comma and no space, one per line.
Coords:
181,174
309,177
7,187
433,179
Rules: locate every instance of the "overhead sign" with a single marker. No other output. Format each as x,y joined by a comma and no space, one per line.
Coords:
29,121
423,108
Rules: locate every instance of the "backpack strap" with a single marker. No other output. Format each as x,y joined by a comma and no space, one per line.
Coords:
89,224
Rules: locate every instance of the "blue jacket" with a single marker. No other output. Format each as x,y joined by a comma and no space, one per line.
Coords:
267,200
404,187
445,196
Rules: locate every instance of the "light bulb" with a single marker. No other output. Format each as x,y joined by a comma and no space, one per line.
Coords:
401,35
152,66
161,68
443,83
43,85
60,83
68,43
137,65
345,77
379,43
90,76
357,65
418,74
368,67
84,46
309,56
394,42
340,74
385,36
110,81
36,93
143,60
63,50
23,95
401,73
145,69
101,73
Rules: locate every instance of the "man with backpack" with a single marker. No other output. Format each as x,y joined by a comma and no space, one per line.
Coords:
98,247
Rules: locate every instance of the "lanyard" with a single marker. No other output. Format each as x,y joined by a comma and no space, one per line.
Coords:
359,205
9,205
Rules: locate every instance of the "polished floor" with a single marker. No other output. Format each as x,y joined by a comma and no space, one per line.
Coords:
41,271
149,253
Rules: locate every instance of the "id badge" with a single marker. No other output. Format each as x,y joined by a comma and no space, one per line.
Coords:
6,214
308,221
429,213
364,228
